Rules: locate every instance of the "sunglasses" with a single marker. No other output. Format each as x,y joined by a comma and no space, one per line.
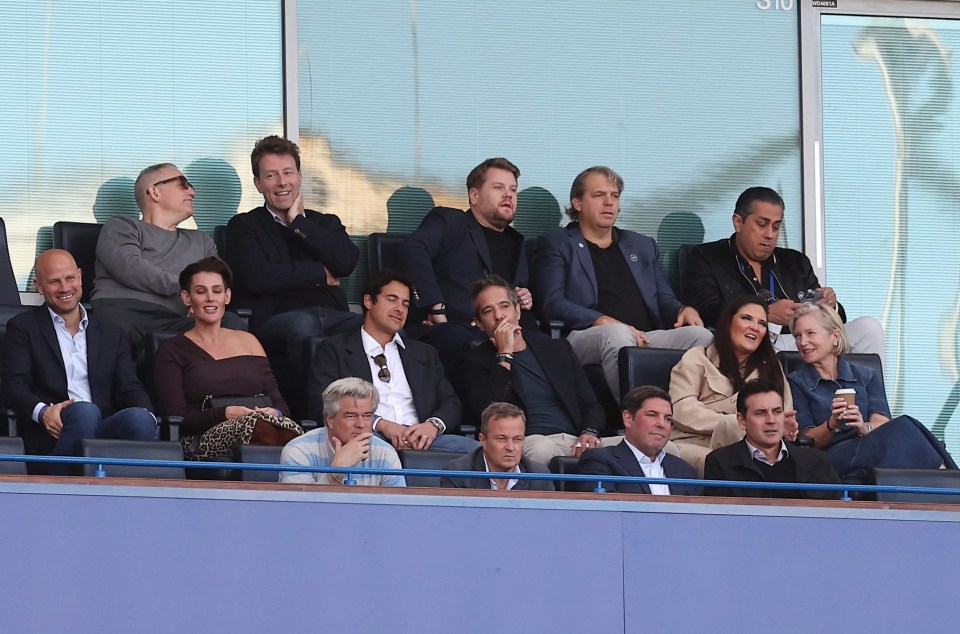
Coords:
384,374
183,182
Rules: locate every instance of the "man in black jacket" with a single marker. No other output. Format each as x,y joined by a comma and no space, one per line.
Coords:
542,376
750,263
763,455
287,262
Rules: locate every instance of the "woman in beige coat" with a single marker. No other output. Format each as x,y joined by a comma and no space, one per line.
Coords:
704,385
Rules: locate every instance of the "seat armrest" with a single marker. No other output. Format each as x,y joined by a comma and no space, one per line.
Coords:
170,427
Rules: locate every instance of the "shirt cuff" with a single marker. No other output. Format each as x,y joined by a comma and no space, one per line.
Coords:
376,421
38,412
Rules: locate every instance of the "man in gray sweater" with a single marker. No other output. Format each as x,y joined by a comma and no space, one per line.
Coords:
139,261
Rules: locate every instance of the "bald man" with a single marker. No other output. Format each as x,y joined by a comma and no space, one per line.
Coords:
139,261
71,375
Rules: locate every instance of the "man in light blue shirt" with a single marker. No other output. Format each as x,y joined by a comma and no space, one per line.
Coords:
346,441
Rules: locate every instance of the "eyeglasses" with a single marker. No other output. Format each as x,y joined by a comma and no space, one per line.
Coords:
183,182
384,373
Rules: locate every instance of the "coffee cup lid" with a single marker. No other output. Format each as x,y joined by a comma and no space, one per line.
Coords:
846,390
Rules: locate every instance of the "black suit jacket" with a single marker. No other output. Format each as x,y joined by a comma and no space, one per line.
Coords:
713,277
33,371
448,253
259,252
620,461
481,380
734,462
343,355
473,461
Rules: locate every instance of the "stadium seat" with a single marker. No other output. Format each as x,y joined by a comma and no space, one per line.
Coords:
134,449
647,366
565,465
415,459
12,447
80,239
259,454
938,478
382,251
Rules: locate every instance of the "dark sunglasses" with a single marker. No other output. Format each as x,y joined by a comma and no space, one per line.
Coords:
384,373
183,182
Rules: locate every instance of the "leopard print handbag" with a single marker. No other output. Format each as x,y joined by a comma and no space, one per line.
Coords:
222,438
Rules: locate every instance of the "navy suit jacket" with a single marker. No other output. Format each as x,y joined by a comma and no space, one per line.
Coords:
342,355
260,256
481,381
473,461
565,283
448,253
33,370
620,461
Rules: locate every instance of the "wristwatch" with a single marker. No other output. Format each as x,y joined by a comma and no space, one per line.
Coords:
436,422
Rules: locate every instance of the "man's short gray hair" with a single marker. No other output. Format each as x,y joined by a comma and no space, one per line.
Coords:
497,410
351,387
140,186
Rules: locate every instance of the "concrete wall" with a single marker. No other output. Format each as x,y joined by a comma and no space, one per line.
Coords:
83,558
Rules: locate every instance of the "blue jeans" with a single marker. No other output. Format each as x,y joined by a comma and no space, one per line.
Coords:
445,442
84,420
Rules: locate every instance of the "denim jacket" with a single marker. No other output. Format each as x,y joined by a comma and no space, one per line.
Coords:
813,394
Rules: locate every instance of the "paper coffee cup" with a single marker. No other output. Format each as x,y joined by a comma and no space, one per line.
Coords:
847,394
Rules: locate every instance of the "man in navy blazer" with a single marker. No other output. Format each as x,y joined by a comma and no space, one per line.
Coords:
606,284
451,249
287,262
417,403
68,376
500,454
647,415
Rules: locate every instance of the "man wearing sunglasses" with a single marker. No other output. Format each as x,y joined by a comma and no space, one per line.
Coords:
417,403
139,261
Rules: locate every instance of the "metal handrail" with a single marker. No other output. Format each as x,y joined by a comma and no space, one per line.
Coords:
350,472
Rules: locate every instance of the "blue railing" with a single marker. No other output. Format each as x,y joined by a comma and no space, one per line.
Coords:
350,474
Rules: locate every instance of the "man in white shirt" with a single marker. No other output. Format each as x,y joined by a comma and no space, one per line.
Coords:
418,408
647,416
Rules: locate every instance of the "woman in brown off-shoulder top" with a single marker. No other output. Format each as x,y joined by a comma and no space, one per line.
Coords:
212,361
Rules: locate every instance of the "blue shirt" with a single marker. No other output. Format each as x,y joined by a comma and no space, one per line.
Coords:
813,394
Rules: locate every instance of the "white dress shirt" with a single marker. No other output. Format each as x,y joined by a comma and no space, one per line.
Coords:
511,482
651,469
73,349
756,454
396,398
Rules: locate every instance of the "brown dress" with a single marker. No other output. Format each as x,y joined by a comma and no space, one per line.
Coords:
186,375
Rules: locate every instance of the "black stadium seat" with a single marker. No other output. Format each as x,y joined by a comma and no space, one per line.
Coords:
80,239
12,447
260,454
416,459
134,449
382,251
647,366
934,478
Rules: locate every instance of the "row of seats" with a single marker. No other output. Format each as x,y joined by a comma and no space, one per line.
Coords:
412,459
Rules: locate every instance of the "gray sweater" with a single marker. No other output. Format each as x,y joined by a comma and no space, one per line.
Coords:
138,260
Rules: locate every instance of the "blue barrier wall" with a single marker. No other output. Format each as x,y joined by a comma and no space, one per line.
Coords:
112,558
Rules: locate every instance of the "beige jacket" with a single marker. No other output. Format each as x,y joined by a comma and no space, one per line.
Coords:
703,398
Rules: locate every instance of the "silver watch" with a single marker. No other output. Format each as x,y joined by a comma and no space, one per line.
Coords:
436,422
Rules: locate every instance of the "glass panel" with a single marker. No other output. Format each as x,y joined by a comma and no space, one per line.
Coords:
96,91
891,192
690,105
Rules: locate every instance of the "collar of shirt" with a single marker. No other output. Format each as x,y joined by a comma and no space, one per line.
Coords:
756,454
651,468
372,347
277,217
59,321
812,378
511,482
